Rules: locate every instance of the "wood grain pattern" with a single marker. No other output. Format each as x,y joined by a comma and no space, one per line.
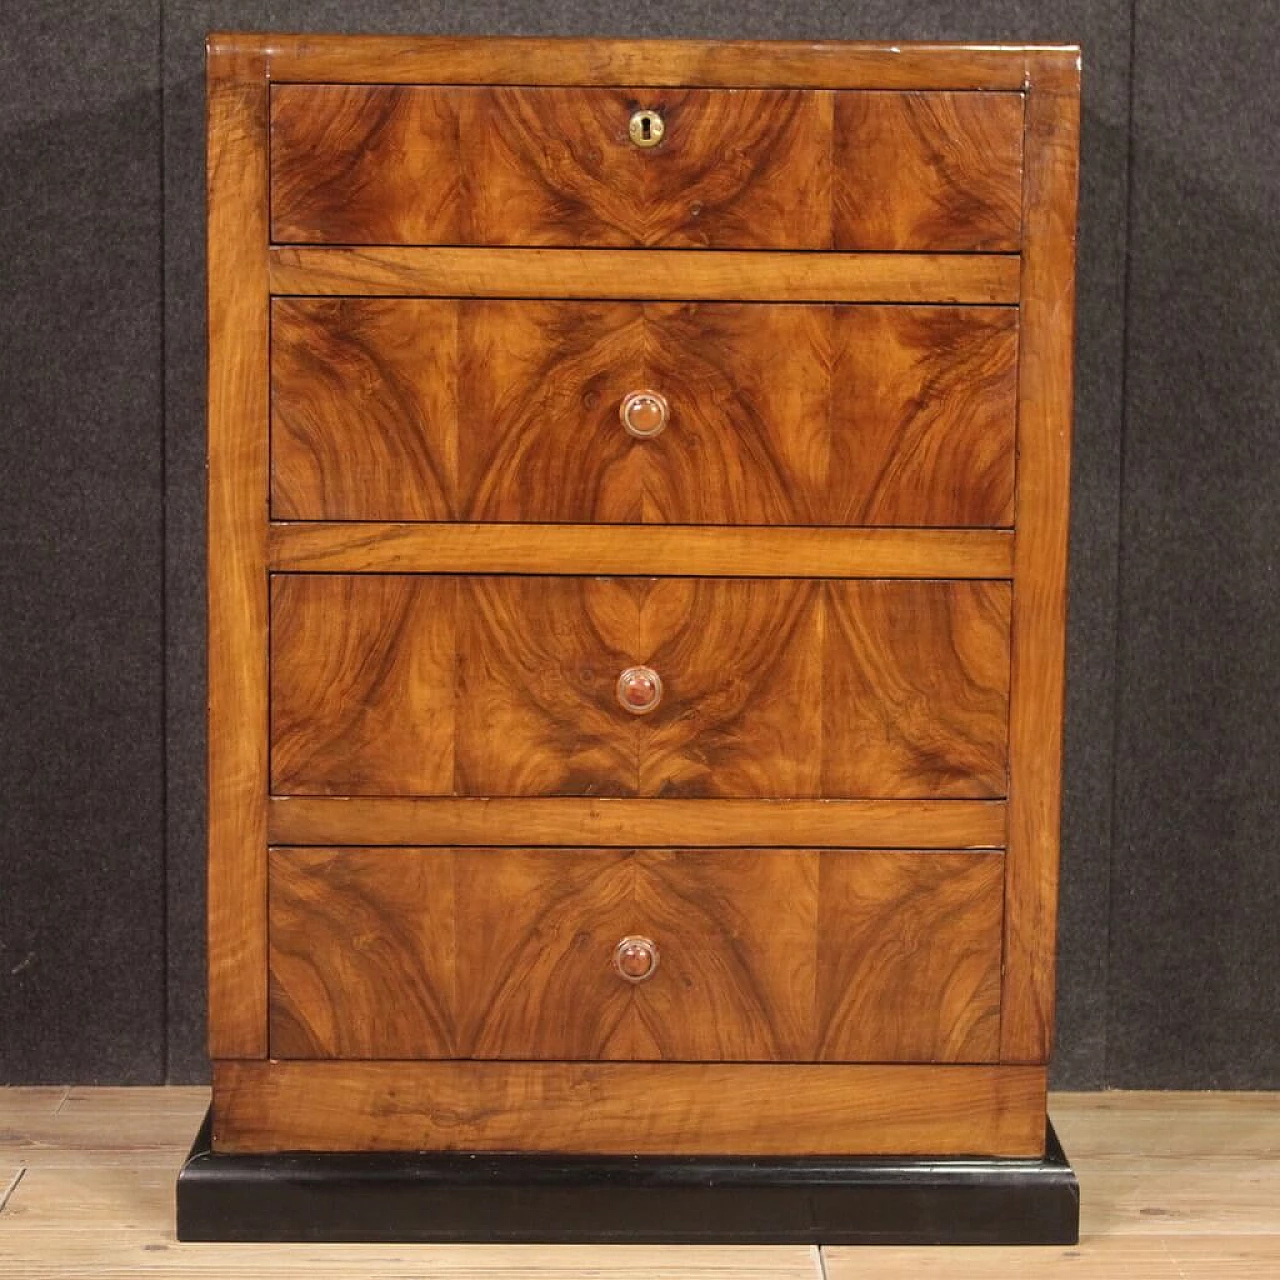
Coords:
506,953
940,171
351,820
760,276
502,165
705,551
922,413
496,686
746,169
237,582
1040,567
416,409
742,666
909,954
529,973
915,689
344,59
633,1108
536,666
362,696
364,409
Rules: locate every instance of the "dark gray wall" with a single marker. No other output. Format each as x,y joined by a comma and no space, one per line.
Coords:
1169,943
82,781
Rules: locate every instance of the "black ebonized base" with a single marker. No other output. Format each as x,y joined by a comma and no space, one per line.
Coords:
599,1199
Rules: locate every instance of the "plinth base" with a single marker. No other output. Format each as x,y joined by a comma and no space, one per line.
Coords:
394,1197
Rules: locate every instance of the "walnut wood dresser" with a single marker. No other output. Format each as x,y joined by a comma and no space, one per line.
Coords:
638,485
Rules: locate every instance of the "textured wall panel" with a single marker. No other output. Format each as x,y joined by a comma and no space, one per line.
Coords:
81,581
1196,892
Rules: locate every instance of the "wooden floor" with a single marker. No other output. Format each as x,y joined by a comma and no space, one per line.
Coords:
1173,1185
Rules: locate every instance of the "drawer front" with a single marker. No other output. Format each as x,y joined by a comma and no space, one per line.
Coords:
735,168
756,688
881,956
440,409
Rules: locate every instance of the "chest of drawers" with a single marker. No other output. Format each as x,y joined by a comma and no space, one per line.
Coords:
637,525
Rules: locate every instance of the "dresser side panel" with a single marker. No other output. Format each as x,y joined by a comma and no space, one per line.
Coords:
237,548
1040,560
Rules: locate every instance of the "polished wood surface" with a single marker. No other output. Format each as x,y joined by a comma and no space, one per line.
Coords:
1040,569
1178,1186
504,686
237,584
909,954
353,59
880,956
374,547
940,171
435,409
761,276
514,165
751,169
351,820
362,684
637,1108
844,557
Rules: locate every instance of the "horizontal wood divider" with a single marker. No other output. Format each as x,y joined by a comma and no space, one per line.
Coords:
632,1108
662,550
572,820
741,64
767,275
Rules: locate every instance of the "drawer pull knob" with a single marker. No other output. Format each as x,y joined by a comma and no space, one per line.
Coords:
639,690
635,959
646,128
644,413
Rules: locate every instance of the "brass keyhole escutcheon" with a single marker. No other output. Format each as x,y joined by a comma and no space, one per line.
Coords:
646,128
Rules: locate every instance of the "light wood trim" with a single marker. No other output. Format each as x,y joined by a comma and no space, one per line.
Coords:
694,274
632,1108
745,64
448,820
1040,571
652,549
237,540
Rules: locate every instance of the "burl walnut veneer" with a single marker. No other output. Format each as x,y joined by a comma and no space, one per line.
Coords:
637,539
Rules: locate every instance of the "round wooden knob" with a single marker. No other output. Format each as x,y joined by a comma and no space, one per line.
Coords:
639,690
644,413
635,959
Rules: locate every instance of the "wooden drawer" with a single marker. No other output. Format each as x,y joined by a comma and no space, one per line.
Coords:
441,409
736,168
880,956
510,686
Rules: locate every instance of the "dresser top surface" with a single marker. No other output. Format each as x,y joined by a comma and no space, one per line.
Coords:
729,63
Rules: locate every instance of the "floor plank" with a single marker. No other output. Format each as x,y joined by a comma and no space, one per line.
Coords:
10,1176
1183,1196
1174,1187
1124,1127
24,1111
1237,1257
109,1126
105,1221
1095,1258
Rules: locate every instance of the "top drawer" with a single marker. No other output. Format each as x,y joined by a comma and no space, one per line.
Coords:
734,169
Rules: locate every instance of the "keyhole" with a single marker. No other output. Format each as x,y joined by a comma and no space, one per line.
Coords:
646,128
